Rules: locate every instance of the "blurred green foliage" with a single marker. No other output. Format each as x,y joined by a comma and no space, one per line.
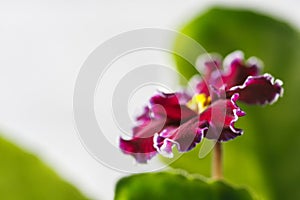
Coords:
174,186
266,156
24,177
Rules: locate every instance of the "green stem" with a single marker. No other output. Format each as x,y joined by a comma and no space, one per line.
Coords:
217,173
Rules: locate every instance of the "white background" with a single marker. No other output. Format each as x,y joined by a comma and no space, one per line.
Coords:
42,47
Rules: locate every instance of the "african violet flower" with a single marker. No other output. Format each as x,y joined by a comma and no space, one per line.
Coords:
182,120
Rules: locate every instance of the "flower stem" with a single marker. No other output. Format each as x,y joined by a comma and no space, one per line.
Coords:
217,162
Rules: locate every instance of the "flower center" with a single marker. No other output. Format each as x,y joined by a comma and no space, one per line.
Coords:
199,103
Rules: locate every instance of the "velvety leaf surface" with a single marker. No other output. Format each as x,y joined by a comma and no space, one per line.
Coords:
266,156
24,177
173,186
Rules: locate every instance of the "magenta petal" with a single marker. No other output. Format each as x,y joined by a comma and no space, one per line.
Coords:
163,144
171,107
145,116
185,137
221,117
202,87
229,134
189,134
207,65
140,148
165,111
141,144
238,70
259,90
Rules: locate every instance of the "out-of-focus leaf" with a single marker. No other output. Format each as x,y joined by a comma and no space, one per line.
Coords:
224,30
24,177
165,185
265,157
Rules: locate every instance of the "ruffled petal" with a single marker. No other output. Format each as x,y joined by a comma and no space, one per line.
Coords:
141,144
140,148
221,117
207,65
185,137
259,90
165,110
189,134
162,142
237,70
203,87
145,116
171,107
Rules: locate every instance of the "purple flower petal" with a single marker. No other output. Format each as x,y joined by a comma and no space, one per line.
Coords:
185,137
141,144
165,111
169,105
207,65
259,90
238,70
145,116
221,117
163,144
140,148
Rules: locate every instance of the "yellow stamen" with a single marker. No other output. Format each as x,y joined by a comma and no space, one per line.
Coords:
199,102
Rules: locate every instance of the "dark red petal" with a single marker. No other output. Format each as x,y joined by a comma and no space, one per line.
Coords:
259,90
185,137
221,116
145,116
169,105
149,128
203,87
164,110
140,148
207,65
141,144
163,144
189,134
237,70
228,133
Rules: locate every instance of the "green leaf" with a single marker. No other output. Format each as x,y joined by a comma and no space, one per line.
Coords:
224,30
265,157
24,176
173,186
